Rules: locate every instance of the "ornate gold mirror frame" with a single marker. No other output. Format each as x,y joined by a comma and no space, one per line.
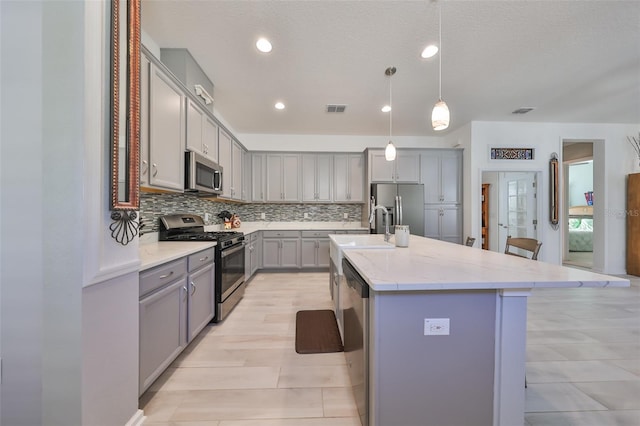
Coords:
553,191
125,119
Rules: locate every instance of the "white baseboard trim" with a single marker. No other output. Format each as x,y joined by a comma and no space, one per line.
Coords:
137,419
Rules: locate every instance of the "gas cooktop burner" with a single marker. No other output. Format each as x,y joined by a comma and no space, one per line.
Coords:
186,227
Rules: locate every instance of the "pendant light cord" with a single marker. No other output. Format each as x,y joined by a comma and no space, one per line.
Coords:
440,55
391,108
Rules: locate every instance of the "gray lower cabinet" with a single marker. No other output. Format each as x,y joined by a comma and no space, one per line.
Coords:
201,299
252,254
280,249
315,249
443,223
291,249
163,319
177,301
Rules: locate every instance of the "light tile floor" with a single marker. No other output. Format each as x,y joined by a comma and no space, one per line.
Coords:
583,362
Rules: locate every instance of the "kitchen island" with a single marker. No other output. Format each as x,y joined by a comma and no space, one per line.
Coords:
466,364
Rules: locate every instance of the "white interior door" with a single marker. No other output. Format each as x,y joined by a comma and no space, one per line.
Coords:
517,207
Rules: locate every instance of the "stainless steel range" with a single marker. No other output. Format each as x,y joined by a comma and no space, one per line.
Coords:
229,256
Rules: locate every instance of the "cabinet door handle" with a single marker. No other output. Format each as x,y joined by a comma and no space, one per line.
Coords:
146,166
161,277
155,169
193,286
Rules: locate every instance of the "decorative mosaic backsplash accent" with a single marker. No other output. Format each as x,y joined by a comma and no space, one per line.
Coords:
152,206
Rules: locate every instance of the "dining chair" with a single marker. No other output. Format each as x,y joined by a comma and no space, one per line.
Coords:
530,245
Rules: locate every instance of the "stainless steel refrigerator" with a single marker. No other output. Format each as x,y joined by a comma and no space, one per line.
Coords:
405,204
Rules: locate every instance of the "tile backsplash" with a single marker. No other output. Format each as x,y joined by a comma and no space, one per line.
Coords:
152,206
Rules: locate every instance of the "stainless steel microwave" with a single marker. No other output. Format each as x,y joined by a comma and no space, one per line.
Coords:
202,176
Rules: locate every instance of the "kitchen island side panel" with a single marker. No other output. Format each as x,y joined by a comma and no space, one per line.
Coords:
432,380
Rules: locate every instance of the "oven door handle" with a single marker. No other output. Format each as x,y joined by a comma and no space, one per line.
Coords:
227,252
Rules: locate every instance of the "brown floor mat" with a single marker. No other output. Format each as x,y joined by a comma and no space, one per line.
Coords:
317,332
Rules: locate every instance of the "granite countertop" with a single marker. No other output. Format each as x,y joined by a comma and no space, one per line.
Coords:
156,253
429,264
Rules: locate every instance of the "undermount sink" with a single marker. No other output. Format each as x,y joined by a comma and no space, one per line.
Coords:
339,243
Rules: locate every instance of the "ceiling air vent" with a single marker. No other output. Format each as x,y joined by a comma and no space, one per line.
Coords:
522,110
336,108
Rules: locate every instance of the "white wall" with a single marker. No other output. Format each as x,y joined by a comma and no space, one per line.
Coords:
42,208
65,362
612,163
580,181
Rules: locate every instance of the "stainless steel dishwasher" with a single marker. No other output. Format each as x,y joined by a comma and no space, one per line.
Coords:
356,336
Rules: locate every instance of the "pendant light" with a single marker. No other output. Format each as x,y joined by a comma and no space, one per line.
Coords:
390,150
440,113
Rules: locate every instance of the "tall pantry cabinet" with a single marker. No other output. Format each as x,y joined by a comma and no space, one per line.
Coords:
441,174
633,224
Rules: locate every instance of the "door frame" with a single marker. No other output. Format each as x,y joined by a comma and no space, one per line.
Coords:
540,230
598,156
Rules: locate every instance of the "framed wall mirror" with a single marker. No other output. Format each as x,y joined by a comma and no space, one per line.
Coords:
125,117
125,104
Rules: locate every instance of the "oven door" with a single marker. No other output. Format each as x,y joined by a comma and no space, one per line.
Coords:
231,270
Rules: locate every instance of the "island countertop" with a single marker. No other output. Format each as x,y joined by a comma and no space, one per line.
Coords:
429,264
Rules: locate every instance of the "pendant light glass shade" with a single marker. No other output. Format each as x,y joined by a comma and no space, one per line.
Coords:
440,115
390,152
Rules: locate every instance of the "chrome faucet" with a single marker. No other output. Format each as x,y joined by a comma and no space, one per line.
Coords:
387,234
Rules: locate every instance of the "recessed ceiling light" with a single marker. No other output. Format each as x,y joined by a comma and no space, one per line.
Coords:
429,51
263,45
386,108
279,105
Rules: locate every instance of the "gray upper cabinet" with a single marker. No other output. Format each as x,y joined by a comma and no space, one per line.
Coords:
224,159
230,158
210,138
282,177
246,175
442,176
348,178
236,170
202,132
316,177
145,72
405,168
166,131
258,187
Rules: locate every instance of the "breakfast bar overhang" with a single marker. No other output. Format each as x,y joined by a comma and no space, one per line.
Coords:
475,374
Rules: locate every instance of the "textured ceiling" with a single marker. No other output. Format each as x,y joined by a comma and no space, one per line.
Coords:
574,61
